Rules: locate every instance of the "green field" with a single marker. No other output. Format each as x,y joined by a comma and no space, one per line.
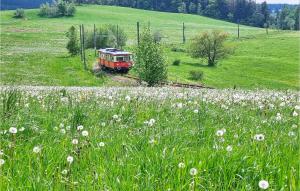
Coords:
33,50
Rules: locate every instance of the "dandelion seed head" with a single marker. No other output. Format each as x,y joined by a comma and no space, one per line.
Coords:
101,144
2,161
193,172
263,184
13,130
75,141
36,149
80,127
70,159
259,137
85,133
181,165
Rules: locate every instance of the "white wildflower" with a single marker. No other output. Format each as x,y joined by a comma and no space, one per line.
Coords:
13,130
263,184
193,171
220,133
36,149
85,133
80,127
101,144
229,148
70,159
181,165
259,137
75,141
2,161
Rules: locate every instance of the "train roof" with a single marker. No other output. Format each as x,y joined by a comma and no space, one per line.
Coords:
114,51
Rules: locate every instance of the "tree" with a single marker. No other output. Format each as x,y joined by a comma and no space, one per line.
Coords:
209,45
73,44
150,62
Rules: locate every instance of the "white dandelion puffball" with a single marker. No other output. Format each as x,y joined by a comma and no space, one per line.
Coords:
263,184
75,141
13,130
70,159
259,137
64,172
2,161
80,127
196,111
295,114
115,116
21,129
151,122
229,148
103,124
220,133
181,165
68,128
193,171
291,134
127,98
85,133
36,149
62,131
101,144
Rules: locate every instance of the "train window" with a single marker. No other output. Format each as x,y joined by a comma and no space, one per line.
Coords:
120,59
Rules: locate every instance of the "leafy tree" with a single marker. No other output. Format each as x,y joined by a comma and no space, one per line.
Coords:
209,45
182,8
297,17
150,62
73,44
20,13
57,9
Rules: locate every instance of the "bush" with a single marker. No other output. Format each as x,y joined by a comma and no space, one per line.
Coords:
176,62
57,9
150,61
73,44
20,13
196,75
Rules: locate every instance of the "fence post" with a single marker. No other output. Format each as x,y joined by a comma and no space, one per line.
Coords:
138,32
117,36
95,40
183,33
83,46
238,28
80,42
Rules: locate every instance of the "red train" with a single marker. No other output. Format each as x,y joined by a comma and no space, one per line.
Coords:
115,59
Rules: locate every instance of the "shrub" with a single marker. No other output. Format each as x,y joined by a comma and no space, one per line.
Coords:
20,13
73,44
57,9
209,45
150,61
196,75
176,62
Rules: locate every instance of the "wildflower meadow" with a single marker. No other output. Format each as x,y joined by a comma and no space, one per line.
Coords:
148,139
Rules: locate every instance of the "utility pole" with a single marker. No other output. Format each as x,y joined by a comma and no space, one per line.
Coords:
183,33
95,40
117,36
238,28
80,42
83,46
138,32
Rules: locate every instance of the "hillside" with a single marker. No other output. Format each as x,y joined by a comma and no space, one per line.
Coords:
33,50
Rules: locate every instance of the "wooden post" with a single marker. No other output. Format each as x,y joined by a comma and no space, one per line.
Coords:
238,28
83,46
183,33
117,36
80,42
95,40
138,32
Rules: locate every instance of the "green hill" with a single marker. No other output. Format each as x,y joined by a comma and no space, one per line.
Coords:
33,50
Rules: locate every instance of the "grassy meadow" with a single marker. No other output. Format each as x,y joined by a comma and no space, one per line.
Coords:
148,139
33,49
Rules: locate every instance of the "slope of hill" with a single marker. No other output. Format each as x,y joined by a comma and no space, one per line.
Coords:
33,50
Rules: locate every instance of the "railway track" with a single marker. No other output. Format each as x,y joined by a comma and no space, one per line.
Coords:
174,84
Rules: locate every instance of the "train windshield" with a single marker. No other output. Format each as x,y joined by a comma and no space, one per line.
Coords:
122,58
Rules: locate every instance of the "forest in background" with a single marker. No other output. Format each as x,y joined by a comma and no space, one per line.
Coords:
246,12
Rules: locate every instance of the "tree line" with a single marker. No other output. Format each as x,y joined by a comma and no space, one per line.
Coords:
243,11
